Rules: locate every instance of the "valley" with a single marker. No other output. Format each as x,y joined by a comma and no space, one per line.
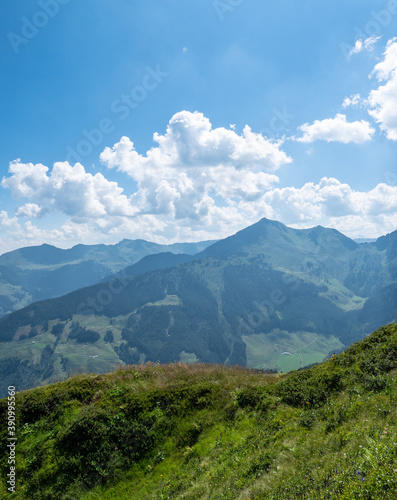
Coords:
269,297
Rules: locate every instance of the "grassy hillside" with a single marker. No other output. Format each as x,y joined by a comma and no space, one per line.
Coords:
214,432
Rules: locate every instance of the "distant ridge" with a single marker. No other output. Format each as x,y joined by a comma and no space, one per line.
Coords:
43,272
154,262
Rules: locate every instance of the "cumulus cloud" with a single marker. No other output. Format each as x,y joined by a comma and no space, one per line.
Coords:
361,45
352,101
193,163
381,104
382,101
328,203
196,183
30,210
365,226
190,142
188,186
330,199
336,129
17,235
6,221
68,189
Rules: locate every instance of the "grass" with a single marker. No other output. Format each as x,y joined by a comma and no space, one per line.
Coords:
77,355
169,300
342,296
184,431
305,348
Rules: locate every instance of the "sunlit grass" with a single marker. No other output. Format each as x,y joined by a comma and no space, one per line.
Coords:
202,431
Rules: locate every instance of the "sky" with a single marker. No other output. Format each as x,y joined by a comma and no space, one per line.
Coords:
170,120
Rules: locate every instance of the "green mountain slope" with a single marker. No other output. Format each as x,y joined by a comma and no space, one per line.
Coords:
153,262
268,297
184,431
43,272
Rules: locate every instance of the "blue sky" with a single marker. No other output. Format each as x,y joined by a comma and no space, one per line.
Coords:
80,76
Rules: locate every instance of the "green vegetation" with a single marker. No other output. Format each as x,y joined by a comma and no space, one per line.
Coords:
37,273
214,432
287,351
234,303
109,336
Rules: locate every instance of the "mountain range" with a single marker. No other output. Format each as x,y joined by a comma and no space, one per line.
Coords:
43,272
268,297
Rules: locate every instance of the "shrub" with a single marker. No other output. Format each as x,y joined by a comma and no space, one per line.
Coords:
57,329
309,387
189,434
109,337
82,335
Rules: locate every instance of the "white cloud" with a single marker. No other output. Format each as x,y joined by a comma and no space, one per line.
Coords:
14,235
367,44
68,189
6,221
193,163
367,226
196,183
387,68
382,101
337,129
328,203
330,199
30,210
191,142
353,100
188,186
232,183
